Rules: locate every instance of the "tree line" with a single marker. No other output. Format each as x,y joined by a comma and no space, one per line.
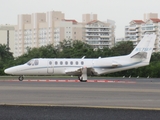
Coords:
78,49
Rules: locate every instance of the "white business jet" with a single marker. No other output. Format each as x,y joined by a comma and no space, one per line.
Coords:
83,67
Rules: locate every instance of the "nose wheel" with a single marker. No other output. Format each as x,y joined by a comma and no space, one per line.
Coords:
21,78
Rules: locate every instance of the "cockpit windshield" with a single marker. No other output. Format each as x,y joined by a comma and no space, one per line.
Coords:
33,62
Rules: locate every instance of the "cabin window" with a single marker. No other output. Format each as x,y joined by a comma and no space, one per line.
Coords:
50,62
66,63
82,62
71,62
61,63
76,62
56,63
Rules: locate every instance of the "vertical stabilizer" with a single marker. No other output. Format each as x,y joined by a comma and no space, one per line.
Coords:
144,48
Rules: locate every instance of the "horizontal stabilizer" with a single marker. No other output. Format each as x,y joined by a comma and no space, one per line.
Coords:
140,55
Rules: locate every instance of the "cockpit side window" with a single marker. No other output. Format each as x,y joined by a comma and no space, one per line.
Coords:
36,62
30,62
33,62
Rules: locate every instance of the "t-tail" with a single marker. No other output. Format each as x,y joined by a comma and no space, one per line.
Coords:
144,48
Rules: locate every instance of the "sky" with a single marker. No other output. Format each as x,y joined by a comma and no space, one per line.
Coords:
121,11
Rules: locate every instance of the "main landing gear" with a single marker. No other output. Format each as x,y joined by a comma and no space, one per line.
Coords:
83,77
21,78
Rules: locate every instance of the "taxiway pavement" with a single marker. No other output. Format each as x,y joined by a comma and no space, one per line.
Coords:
140,95
46,99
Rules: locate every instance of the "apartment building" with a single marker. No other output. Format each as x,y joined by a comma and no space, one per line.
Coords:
133,32
97,33
148,16
35,30
137,28
88,17
67,30
7,36
153,26
40,29
71,29
120,40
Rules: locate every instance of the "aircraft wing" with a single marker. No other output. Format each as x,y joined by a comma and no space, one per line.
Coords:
78,71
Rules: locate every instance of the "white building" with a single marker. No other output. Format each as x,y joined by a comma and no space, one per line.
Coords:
153,26
119,40
99,34
7,36
67,30
148,16
40,29
137,28
35,30
133,32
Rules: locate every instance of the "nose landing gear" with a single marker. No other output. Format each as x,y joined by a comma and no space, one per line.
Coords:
21,78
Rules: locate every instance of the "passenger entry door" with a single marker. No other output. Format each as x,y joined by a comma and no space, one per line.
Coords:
50,67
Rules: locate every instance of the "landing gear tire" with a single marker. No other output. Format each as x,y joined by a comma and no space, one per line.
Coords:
21,78
81,79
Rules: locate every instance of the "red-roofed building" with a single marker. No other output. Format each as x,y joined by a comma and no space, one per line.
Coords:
93,21
88,17
73,21
100,34
149,16
136,22
67,30
137,28
156,20
97,33
132,31
40,29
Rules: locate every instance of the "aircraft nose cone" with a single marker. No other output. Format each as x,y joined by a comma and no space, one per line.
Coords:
13,70
8,71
